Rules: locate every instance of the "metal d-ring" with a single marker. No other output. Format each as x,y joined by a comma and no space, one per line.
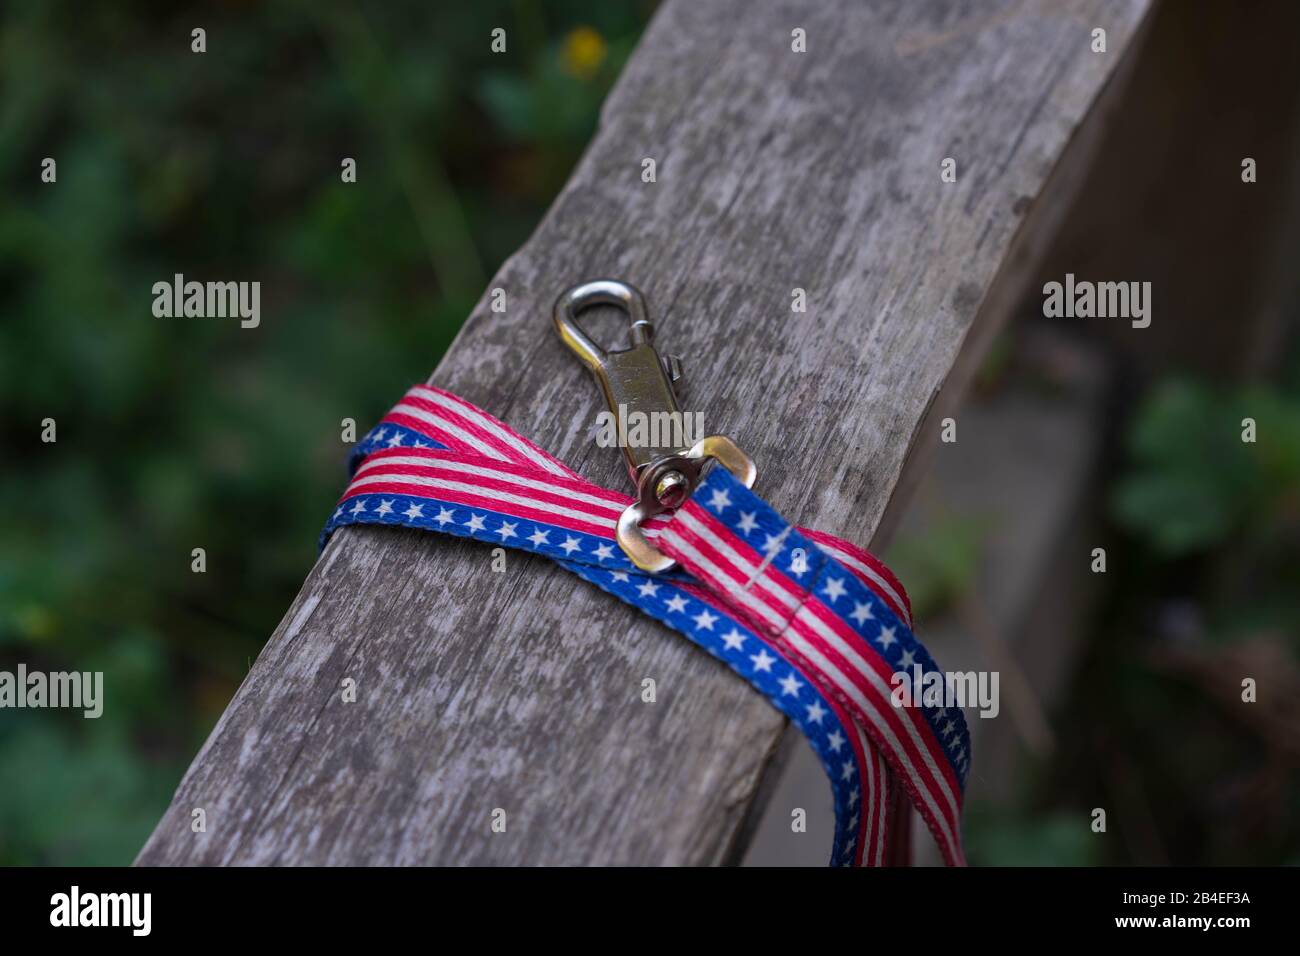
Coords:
628,532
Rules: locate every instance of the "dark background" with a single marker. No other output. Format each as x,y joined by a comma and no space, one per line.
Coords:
196,433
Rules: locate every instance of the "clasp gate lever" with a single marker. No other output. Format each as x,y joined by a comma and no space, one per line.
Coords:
638,381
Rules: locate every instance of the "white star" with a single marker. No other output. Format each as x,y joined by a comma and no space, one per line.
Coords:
475,522
705,621
836,740
853,797
571,544
395,441
948,729
507,530
415,511
648,588
359,507
853,821
861,613
816,712
339,512
847,770
773,544
763,661
834,589
886,637
619,577
421,444
538,536
790,685
444,516
677,603
733,639
379,435
604,551
385,508
720,499
747,522
907,660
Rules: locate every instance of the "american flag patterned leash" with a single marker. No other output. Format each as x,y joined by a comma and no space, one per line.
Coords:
815,624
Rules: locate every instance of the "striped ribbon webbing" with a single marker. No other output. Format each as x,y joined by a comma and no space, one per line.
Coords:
815,624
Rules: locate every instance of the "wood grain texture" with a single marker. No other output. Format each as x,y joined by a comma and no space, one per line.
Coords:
775,170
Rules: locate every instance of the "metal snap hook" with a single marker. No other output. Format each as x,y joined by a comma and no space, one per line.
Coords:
638,381
600,292
635,380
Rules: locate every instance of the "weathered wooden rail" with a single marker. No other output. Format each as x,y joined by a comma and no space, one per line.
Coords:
775,170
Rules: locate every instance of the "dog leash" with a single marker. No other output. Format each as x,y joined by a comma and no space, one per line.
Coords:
816,624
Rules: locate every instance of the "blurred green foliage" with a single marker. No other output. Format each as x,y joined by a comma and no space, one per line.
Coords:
996,838
1219,509
184,433
1203,589
1202,531
942,564
1186,496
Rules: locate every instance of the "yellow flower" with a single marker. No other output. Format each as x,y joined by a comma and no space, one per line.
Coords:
583,53
36,623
